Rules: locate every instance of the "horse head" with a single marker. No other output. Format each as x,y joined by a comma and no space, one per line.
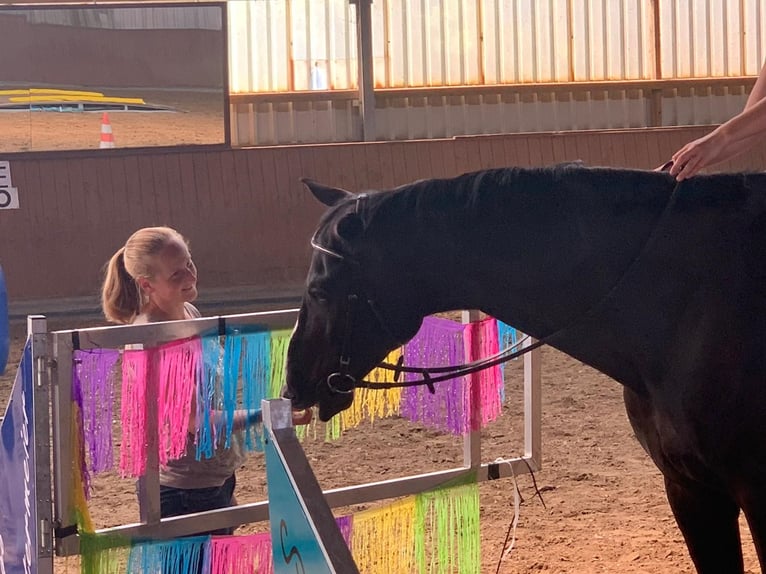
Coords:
347,323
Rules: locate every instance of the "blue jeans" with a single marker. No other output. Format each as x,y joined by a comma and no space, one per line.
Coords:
178,501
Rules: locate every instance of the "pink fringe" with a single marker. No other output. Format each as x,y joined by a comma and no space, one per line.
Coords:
481,341
250,554
133,413
179,363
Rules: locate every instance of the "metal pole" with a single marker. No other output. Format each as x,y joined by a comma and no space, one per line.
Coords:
532,407
366,76
37,327
472,440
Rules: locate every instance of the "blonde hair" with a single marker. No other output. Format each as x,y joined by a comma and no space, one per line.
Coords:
121,297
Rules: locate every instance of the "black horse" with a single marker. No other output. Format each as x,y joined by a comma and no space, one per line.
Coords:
662,286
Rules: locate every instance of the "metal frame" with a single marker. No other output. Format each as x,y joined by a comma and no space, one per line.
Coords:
37,331
152,527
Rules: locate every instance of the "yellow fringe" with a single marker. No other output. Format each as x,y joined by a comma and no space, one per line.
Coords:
383,538
279,341
80,505
369,403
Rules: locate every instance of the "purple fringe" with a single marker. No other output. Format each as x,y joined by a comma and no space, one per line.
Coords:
93,377
438,343
346,525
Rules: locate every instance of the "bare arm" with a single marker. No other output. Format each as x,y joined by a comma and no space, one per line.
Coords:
759,89
729,139
244,418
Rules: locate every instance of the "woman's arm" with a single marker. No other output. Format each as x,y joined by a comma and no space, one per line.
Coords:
729,139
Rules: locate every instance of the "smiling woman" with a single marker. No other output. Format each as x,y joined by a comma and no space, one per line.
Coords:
153,278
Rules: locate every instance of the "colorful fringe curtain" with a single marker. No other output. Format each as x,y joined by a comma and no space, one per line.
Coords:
80,483
103,554
209,396
369,404
179,556
241,554
438,343
178,365
94,374
241,368
133,413
278,349
434,532
256,380
382,539
486,393
447,525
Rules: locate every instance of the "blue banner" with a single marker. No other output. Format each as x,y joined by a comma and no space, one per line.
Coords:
294,542
18,497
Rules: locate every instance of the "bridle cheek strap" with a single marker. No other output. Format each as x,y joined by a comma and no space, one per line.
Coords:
341,382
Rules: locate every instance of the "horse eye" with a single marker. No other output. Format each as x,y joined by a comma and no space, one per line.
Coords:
318,295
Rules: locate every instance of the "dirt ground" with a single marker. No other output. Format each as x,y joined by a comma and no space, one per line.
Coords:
605,509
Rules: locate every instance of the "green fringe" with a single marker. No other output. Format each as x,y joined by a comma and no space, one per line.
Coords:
279,342
448,538
103,554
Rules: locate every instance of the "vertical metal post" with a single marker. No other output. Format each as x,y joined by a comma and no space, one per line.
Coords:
655,51
472,441
532,406
149,484
366,75
61,407
37,327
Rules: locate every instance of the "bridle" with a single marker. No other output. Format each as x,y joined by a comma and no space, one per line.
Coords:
341,382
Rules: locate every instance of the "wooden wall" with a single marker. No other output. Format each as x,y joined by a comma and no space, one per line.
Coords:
246,214
44,55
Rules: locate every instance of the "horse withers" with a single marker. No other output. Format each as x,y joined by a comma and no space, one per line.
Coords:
661,286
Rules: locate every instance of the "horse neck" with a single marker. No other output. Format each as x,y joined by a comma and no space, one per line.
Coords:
530,247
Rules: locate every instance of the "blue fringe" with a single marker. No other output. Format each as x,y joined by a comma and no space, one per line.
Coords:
231,359
180,555
506,335
256,376
208,396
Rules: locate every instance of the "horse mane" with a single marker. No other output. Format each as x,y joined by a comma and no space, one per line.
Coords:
427,198
438,198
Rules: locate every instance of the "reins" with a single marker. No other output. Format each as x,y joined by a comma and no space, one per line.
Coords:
444,373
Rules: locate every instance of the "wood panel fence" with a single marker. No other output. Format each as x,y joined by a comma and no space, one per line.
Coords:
244,211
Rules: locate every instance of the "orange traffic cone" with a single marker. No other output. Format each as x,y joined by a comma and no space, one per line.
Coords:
107,138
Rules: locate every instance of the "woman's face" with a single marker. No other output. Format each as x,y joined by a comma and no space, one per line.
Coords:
175,276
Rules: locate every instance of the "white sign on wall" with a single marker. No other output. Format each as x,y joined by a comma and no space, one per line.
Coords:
9,195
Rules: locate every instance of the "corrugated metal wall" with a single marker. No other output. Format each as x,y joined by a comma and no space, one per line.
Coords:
435,62
282,45
702,38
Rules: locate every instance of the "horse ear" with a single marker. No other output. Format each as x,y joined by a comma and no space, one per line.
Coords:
328,195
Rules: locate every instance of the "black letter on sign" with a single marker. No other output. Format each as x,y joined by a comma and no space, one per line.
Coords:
299,569
5,198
